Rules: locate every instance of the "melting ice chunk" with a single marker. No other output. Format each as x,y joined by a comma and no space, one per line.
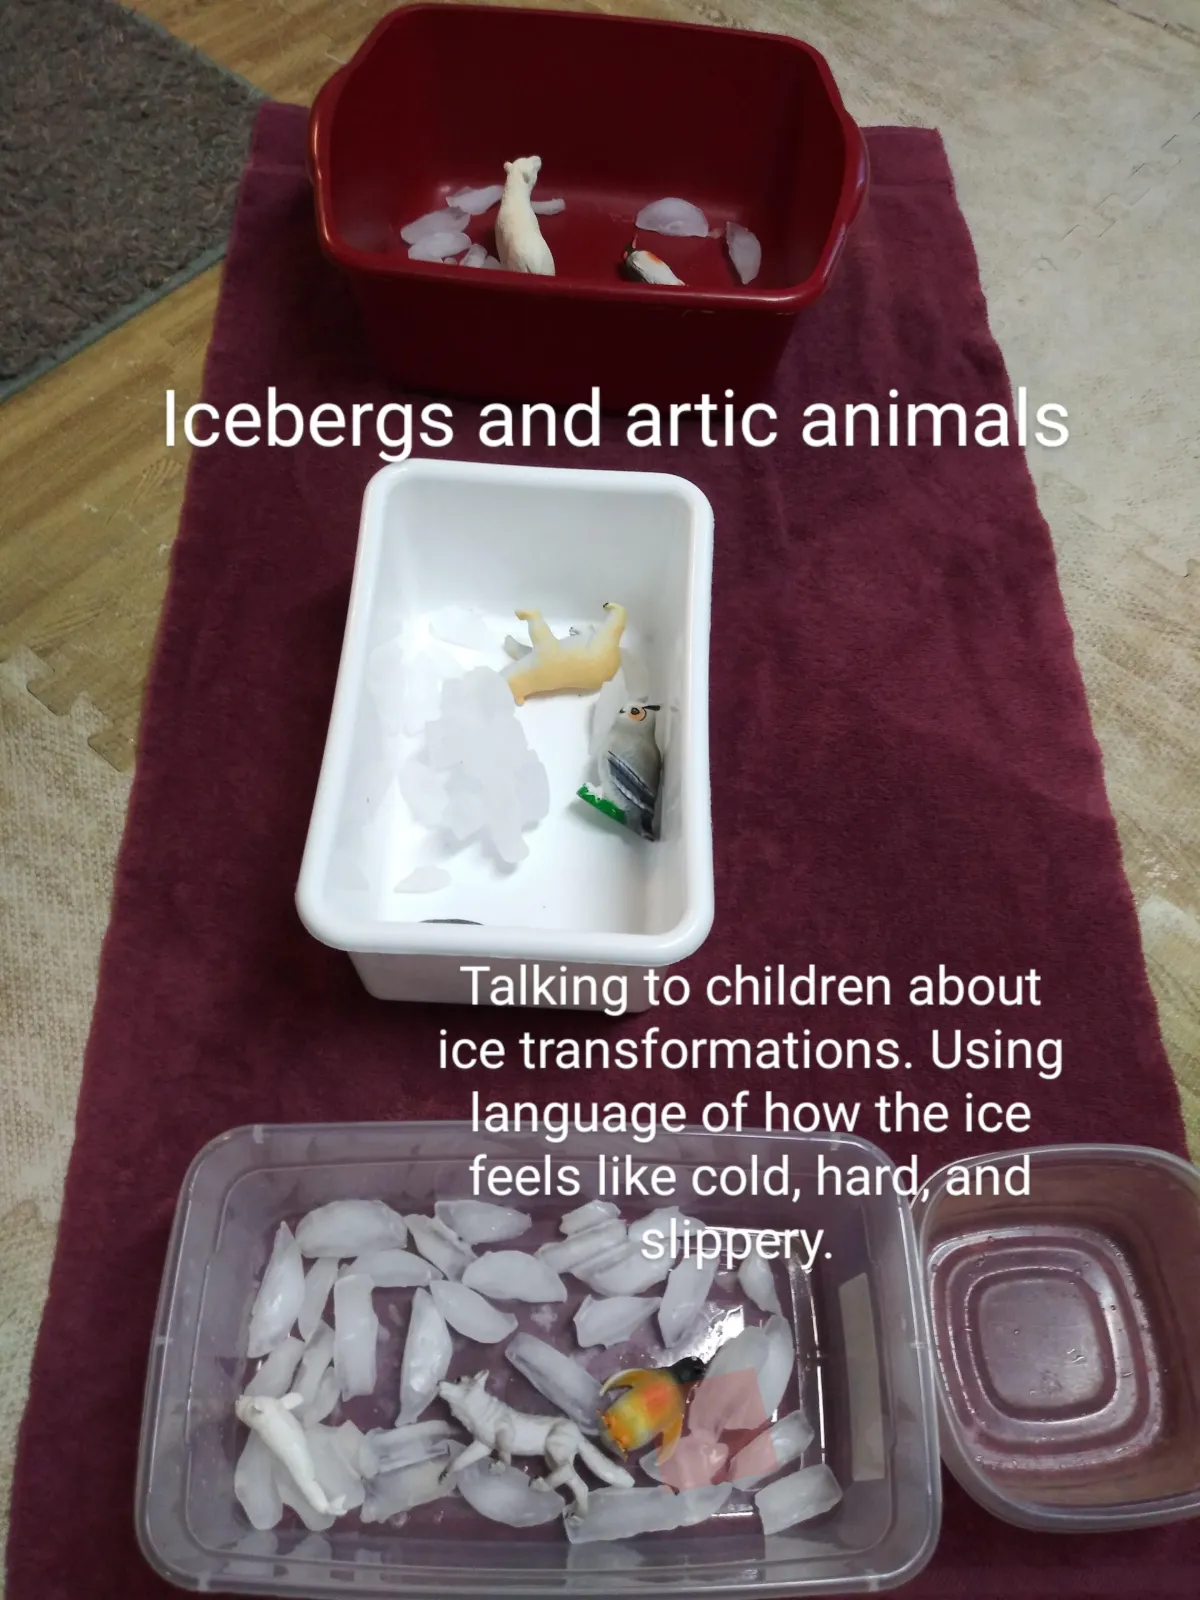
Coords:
349,1227
438,246
799,1497
757,1284
476,201
274,1377
279,1299
626,1513
597,1246
396,1269
395,1492
356,1334
449,220
389,1449
424,790
744,251
427,1351
440,1244
505,1494
470,1314
695,1463
678,218
592,1211
480,1222
776,1447
685,1294
478,774
515,1275
549,208
322,1276
612,1321
562,1380
254,1484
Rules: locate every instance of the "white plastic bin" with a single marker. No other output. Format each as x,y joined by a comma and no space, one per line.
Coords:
591,901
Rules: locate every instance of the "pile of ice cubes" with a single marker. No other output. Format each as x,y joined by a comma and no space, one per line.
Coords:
476,774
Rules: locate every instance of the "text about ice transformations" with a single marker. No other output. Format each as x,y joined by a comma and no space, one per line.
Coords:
968,1081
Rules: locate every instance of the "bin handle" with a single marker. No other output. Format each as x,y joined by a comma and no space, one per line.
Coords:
318,118
860,155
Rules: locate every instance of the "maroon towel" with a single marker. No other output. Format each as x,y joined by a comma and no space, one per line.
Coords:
903,774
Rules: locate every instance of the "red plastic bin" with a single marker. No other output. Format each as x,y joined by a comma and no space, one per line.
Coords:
622,111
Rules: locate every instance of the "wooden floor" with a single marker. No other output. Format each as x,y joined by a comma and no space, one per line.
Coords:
91,494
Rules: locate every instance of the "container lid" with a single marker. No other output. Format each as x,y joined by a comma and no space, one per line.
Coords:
1064,1291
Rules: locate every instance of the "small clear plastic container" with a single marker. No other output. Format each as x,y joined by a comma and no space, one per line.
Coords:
1066,1327
863,1374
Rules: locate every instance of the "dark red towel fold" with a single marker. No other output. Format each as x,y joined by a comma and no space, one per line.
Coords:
903,774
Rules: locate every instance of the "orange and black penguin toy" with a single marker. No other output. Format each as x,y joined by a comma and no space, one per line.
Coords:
652,1406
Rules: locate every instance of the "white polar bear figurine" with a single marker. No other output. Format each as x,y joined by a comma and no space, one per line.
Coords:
519,241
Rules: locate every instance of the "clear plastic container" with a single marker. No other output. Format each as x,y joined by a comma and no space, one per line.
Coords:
863,1374
1066,1330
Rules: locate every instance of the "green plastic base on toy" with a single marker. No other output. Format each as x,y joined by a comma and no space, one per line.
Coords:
601,804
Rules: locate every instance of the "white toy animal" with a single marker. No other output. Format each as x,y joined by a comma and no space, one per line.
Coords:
519,242
496,1427
280,1431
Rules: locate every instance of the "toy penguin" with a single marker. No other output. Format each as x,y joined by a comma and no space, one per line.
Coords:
652,1406
631,766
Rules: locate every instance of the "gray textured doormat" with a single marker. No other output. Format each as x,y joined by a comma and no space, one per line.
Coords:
120,154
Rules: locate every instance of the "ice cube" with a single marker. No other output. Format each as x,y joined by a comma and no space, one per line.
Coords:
438,246
427,1351
515,1275
342,1228
476,201
468,1313
465,813
491,694
587,1215
564,1381
799,1497
279,1298
504,1494
424,790
549,208
448,740
481,1222
449,220
678,218
685,1294
254,1484
421,680
757,1283
475,256
612,1321
744,251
